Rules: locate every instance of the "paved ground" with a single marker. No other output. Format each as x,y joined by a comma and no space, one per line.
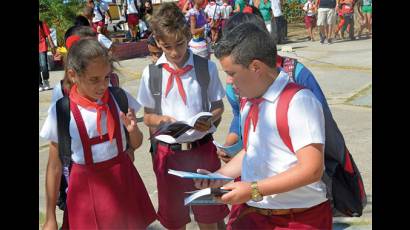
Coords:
344,71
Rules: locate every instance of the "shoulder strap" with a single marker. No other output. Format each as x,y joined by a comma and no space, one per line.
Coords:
155,85
282,113
122,100
202,75
63,123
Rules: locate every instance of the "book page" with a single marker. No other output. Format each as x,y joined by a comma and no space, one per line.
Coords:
192,175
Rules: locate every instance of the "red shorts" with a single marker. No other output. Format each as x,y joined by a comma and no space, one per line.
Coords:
100,23
171,189
132,20
310,21
318,217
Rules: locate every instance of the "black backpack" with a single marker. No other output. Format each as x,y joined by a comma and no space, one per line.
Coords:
64,138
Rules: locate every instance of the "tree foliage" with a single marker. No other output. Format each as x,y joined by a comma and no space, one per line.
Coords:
60,15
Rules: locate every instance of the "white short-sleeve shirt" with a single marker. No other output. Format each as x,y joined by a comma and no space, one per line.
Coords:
132,8
267,155
212,10
226,11
100,152
173,105
104,7
276,8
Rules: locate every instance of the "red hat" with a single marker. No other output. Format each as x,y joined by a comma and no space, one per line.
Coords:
71,40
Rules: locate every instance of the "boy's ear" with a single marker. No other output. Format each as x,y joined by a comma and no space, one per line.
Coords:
71,75
255,66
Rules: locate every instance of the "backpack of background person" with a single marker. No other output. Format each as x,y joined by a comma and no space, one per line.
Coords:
64,138
344,183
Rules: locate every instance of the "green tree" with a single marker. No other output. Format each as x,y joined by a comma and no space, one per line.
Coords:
293,11
60,15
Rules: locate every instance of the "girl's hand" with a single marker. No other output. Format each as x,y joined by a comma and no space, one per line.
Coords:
50,225
130,121
241,193
204,183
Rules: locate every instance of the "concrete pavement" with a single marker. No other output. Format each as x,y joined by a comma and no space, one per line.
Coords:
344,71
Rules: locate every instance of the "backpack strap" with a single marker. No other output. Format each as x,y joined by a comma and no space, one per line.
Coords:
63,123
202,76
282,112
122,100
155,85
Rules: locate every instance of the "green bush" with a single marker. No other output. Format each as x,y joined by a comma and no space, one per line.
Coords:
293,11
60,15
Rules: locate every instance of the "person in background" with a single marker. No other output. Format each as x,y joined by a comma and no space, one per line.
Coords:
44,34
265,8
310,18
154,51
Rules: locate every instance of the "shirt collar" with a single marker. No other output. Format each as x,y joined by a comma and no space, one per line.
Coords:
163,60
276,87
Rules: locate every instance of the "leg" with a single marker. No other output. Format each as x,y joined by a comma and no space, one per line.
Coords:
203,226
44,70
369,22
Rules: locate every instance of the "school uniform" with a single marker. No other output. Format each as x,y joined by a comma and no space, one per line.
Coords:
266,155
171,189
132,12
99,14
105,190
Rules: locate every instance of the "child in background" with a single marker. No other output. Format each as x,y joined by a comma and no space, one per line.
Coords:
115,196
213,12
310,18
181,99
226,12
199,30
154,51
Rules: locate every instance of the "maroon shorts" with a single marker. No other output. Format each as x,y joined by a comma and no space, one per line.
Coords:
310,21
318,217
132,20
97,24
171,189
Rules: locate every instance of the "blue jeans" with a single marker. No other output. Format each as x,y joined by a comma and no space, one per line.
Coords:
42,56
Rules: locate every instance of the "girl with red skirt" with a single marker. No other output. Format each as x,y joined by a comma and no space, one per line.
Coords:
105,190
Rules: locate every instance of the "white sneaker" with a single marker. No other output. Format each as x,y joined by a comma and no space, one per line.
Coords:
40,88
46,85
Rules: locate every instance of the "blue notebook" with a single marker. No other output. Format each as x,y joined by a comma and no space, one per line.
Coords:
192,175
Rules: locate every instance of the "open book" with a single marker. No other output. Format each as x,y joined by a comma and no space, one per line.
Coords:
183,131
231,150
205,196
191,175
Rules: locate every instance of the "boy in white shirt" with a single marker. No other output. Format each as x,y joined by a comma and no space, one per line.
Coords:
181,97
280,185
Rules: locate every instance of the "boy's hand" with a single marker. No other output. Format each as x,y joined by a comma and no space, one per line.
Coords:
204,183
203,125
241,193
130,121
223,156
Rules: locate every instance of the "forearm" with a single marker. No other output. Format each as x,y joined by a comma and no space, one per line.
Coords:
234,167
195,31
291,179
53,177
50,41
135,138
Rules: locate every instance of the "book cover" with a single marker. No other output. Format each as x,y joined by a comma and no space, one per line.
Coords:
231,150
192,175
205,196
182,131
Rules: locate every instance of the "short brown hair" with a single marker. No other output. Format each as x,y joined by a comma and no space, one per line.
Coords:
169,20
